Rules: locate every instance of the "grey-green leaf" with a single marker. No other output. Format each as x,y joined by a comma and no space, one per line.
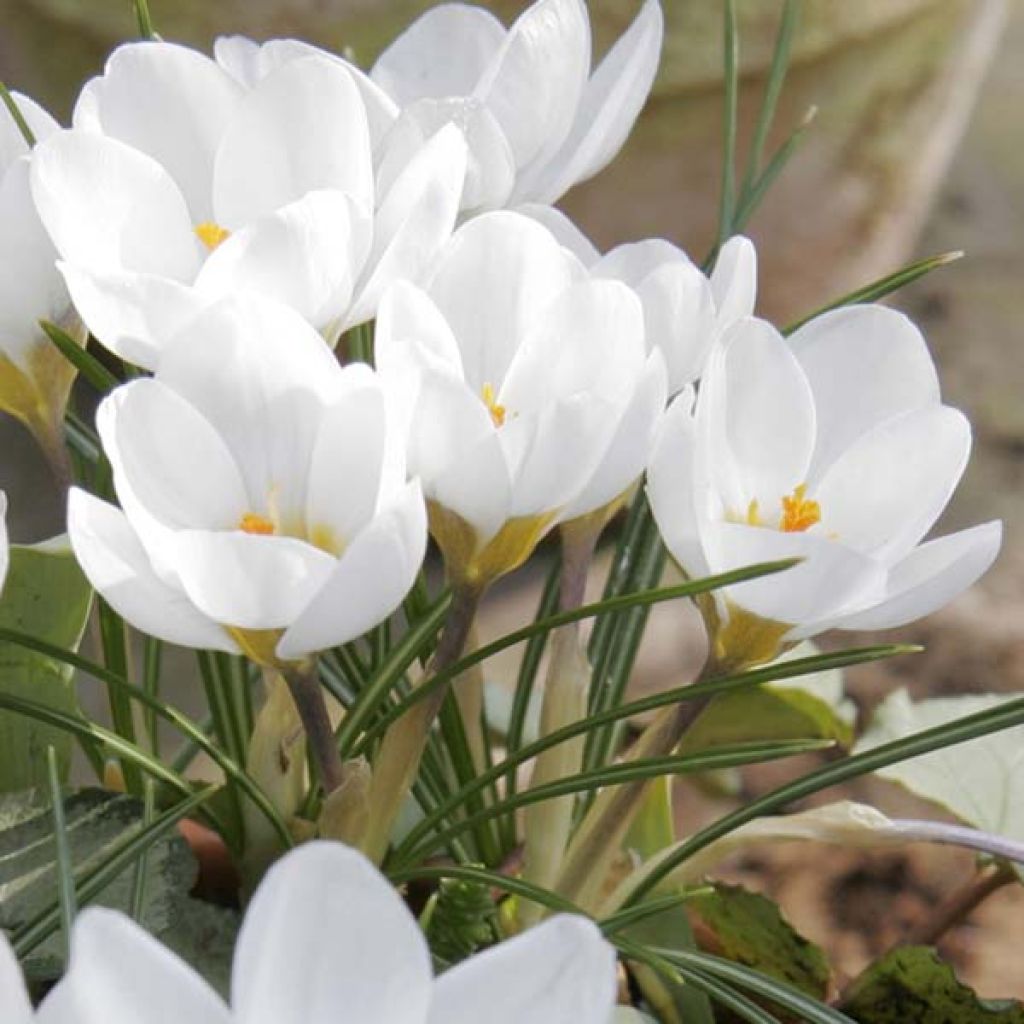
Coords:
45,596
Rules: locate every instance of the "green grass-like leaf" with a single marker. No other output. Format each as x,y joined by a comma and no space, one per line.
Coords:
87,365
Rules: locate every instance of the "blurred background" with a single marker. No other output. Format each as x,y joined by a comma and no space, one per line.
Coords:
917,148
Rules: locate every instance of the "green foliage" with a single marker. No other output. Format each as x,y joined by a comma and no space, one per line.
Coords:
98,824
47,597
749,929
912,985
462,919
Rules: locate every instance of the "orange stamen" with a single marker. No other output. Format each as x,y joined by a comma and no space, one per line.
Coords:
490,398
798,512
253,523
211,234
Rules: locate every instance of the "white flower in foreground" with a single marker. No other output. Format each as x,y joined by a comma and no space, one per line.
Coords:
536,120
15,1007
34,377
265,498
528,392
178,185
832,446
685,311
327,939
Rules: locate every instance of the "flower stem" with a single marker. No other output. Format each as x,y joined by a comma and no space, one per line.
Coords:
548,824
304,686
957,907
398,758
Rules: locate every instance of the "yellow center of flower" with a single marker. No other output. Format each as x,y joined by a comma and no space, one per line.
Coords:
211,234
799,513
490,399
252,522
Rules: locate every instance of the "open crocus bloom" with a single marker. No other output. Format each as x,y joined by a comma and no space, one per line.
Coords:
833,447
525,386
34,377
327,939
265,500
536,120
685,311
179,185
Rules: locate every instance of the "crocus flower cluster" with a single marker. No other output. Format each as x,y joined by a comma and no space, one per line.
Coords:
220,223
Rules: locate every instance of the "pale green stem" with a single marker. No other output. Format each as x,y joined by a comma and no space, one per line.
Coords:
548,824
398,759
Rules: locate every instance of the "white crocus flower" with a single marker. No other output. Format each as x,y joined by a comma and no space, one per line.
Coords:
832,446
685,310
265,500
179,185
34,377
521,381
15,1007
326,939
536,120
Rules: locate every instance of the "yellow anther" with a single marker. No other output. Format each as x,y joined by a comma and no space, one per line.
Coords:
497,411
799,513
211,234
753,515
251,522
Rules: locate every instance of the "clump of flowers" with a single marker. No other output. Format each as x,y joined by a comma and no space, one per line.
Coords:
325,316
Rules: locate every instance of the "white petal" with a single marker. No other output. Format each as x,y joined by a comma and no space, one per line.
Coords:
302,128
414,221
119,972
561,972
630,445
171,103
476,485
674,487
327,938
109,207
734,281
250,581
170,458
490,172
558,455
369,581
116,564
865,364
261,375
832,578
679,312
608,109
534,83
12,142
406,315
31,289
14,1005
930,577
240,58
760,414
443,53
589,341
564,229
499,273
884,493
348,460
306,254
134,315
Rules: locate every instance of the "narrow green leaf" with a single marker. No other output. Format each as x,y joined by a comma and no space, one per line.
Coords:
616,604
982,724
79,357
883,286
18,117
693,691
727,198
65,882
114,640
140,874
617,775
47,596
195,734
